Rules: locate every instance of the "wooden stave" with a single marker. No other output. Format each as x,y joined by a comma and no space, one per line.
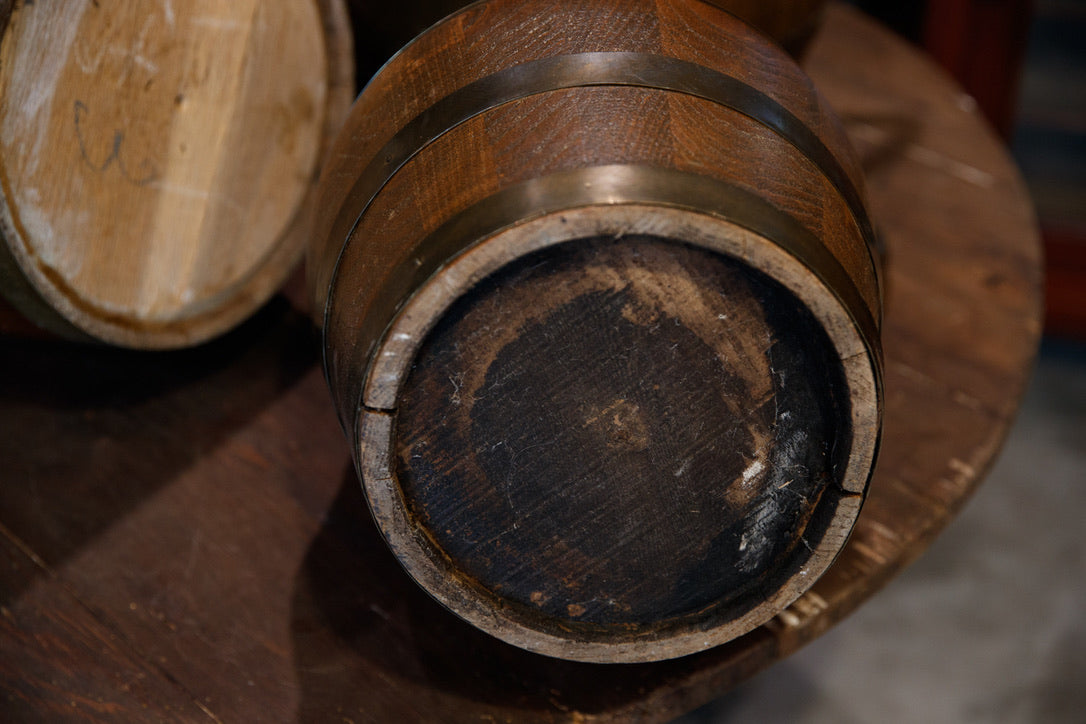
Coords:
390,101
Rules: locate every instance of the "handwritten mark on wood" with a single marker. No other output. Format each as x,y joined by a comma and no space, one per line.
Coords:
147,171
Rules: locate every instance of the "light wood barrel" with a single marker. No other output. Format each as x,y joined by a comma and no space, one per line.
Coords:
157,160
601,320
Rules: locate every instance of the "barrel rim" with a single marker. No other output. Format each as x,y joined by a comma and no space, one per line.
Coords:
375,423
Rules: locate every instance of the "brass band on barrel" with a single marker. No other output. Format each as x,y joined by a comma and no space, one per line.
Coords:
614,185
641,70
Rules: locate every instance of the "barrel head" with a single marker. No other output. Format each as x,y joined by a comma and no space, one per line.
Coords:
614,434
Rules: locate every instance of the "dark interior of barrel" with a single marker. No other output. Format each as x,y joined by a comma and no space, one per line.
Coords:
619,435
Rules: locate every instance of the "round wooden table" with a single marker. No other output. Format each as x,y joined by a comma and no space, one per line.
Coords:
183,536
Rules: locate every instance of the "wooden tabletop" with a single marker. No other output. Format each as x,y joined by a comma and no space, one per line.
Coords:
183,536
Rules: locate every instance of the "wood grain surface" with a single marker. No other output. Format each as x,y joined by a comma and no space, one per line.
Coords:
155,162
184,536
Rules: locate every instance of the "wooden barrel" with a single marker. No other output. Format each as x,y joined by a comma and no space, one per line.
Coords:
157,160
600,319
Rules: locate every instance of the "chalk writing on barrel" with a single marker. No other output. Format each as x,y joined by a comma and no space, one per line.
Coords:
147,171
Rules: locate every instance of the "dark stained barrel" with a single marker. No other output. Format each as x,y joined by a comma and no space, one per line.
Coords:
601,320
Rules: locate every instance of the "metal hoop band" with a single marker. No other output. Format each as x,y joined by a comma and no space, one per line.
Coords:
641,70
612,185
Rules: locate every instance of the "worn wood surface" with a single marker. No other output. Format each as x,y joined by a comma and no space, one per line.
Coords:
156,162
185,532
626,439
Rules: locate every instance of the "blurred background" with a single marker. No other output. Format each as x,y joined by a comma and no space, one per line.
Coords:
1024,61
988,625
